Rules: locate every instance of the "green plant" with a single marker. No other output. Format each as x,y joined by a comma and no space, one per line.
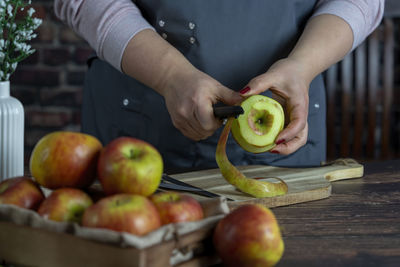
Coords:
17,28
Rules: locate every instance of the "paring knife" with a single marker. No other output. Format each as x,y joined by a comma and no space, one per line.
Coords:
167,182
224,112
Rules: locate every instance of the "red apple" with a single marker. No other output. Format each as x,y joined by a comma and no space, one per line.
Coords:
130,165
174,207
129,213
249,236
65,205
22,192
65,159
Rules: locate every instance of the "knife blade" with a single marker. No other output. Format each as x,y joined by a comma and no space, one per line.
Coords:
167,182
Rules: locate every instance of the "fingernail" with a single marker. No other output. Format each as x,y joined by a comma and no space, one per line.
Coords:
244,90
280,141
274,152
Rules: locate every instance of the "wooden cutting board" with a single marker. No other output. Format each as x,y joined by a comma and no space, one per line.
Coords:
304,184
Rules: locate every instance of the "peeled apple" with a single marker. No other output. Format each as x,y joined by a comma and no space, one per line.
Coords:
263,119
255,131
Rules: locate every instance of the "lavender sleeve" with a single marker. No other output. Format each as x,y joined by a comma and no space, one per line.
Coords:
363,16
106,25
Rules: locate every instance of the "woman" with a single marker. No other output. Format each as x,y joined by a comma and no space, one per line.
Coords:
162,65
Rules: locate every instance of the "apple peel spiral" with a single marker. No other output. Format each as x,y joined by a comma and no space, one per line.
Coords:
253,187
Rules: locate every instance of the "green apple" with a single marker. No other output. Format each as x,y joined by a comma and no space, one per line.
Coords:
22,192
249,236
129,213
65,205
130,165
174,207
263,119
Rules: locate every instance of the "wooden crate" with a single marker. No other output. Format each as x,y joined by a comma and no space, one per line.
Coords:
24,243
28,246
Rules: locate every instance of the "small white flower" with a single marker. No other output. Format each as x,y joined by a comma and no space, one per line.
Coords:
36,22
18,46
9,10
22,32
26,48
30,12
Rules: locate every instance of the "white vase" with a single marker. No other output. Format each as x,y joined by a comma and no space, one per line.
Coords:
11,134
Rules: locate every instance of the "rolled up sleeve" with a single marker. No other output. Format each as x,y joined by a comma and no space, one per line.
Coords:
363,16
106,25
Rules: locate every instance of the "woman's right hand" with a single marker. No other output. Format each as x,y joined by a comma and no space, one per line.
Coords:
189,97
189,93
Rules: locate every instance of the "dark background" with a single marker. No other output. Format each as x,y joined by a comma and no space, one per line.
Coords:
49,83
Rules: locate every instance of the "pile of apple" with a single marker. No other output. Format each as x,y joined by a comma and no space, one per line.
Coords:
129,171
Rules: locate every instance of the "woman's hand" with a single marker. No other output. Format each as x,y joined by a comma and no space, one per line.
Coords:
189,97
189,93
289,78
289,84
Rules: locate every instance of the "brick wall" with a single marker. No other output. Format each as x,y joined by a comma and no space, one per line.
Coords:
49,83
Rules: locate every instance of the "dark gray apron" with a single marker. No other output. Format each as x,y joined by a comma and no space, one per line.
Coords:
233,42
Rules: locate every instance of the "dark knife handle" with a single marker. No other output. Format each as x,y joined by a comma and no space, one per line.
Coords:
223,112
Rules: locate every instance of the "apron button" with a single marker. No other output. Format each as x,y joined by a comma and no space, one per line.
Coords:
316,105
125,102
161,23
192,25
192,40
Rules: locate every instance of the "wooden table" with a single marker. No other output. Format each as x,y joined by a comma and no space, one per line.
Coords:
359,225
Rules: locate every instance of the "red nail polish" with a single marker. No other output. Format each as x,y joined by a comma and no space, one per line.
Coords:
274,152
280,141
244,90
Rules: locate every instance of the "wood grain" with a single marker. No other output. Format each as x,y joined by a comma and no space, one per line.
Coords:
304,184
359,225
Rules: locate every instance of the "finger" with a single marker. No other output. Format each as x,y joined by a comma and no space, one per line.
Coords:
197,130
204,110
298,113
190,132
200,132
182,123
228,96
257,85
205,116
292,145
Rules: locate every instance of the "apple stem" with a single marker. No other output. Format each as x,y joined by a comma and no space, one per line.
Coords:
134,153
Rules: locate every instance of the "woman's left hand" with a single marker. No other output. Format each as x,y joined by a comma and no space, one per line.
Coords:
289,84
